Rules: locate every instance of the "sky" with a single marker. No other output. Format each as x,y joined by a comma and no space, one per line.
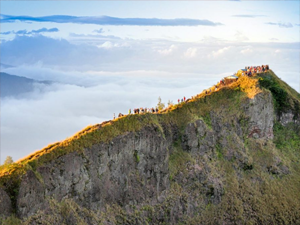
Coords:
105,57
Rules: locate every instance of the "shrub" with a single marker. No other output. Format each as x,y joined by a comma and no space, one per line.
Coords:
278,93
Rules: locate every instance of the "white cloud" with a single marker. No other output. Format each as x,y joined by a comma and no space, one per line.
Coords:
129,74
190,53
240,36
281,24
220,51
167,51
247,51
64,109
109,45
106,44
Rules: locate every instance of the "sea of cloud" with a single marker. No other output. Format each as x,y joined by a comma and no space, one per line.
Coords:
56,111
95,77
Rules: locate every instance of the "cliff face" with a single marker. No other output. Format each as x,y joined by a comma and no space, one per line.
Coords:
130,169
5,203
134,168
201,163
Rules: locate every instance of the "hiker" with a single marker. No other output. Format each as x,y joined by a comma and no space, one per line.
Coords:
156,110
114,116
129,111
178,101
136,111
184,98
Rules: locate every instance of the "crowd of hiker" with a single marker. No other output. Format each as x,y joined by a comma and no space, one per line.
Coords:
139,111
251,70
248,71
143,110
147,110
182,100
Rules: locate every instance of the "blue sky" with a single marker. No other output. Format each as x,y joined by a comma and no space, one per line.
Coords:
255,28
108,56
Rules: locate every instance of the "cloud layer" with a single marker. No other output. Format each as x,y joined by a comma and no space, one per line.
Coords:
25,32
107,75
61,110
248,16
107,20
281,24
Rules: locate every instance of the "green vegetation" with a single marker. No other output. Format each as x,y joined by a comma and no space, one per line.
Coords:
179,115
8,160
257,180
178,160
136,156
261,196
11,220
285,98
287,139
160,105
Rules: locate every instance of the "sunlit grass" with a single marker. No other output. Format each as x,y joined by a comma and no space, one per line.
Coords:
107,130
180,114
225,102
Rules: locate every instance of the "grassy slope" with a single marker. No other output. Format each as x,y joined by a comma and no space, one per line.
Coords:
270,197
285,98
262,196
179,114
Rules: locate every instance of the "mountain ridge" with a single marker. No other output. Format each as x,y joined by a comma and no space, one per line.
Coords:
163,164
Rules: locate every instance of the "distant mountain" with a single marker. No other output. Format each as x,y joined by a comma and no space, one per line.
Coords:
12,85
5,66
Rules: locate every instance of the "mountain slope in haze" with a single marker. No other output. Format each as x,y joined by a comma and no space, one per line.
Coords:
5,66
16,86
228,157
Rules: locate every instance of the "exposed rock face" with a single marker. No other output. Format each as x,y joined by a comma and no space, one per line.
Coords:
5,203
288,117
133,169
166,172
261,112
31,195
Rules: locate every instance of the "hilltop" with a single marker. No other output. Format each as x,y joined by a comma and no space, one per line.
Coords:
230,156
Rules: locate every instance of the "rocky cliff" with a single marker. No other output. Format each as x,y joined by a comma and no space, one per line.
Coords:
231,157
